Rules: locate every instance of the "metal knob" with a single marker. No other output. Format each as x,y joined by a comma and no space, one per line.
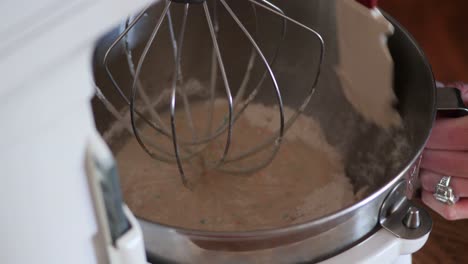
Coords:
412,218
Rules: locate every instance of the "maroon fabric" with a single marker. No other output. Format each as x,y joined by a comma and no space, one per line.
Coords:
368,3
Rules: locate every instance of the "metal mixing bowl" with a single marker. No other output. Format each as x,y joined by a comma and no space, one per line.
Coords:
378,167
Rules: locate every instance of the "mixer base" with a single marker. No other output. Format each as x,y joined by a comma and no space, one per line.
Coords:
405,259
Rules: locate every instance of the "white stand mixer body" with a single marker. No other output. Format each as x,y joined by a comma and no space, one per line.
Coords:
45,61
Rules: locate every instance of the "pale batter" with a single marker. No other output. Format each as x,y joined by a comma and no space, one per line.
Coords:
365,67
306,179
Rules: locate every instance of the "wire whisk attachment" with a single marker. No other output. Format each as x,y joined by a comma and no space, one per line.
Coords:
216,137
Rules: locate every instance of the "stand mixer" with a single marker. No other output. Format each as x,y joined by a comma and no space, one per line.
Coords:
62,162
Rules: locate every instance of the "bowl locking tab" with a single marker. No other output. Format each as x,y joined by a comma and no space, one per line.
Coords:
402,217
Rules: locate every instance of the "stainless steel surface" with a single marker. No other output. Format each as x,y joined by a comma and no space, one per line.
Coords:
366,150
402,217
184,150
412,218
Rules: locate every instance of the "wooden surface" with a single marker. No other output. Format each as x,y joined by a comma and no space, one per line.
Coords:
441,29
447,244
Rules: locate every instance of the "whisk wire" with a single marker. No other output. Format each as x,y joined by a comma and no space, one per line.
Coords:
137,73
270,7
225,81
166,157
175,82
270,72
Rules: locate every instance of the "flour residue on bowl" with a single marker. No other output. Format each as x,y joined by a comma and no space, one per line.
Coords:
306,179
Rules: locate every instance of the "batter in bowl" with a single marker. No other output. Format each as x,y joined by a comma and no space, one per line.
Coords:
306,179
